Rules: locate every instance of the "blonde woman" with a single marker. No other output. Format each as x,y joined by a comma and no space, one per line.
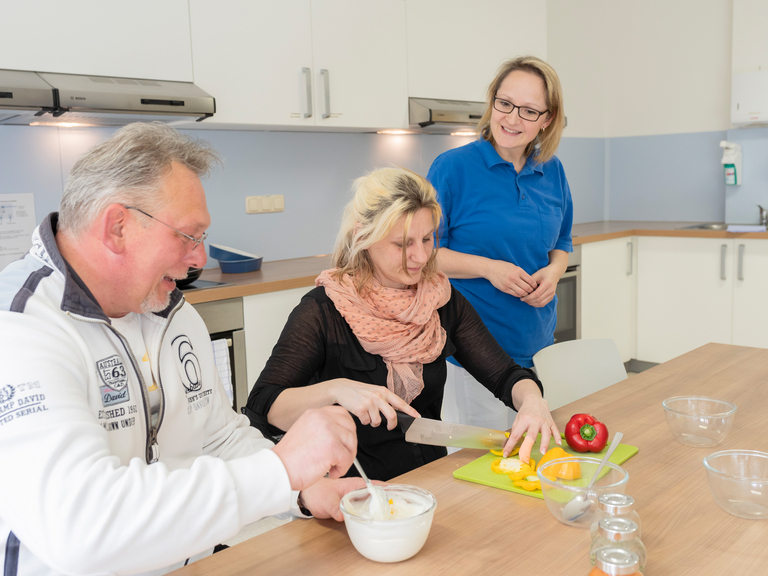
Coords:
506,231
374,335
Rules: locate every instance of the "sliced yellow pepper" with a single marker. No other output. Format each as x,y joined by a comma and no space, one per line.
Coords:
529,484
515,450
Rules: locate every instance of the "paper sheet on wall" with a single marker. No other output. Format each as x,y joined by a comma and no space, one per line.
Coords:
17,222
221,357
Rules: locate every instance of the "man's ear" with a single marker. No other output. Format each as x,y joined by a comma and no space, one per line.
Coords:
112,227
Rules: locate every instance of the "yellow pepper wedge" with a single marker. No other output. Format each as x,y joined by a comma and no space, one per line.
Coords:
566,470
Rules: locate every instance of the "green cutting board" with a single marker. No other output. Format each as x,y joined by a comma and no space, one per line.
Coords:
480,470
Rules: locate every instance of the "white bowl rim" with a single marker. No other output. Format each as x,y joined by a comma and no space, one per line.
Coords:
750,479
581,489
728,412
396,521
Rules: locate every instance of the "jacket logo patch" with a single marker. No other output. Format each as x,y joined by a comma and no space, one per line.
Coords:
112,373
189,365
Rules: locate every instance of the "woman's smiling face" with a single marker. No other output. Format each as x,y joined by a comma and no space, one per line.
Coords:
387,254
511,134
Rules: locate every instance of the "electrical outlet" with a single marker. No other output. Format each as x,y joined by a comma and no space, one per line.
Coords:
262,204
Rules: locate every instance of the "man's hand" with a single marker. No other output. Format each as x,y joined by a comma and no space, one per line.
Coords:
322,441
323,497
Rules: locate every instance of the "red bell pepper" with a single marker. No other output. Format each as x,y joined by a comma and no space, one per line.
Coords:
585,434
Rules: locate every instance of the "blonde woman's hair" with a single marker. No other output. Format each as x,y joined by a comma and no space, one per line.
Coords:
381,198
548,140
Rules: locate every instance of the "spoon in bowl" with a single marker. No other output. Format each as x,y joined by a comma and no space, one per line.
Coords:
581,504
378,502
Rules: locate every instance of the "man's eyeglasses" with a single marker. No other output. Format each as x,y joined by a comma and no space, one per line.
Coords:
196,241
506,107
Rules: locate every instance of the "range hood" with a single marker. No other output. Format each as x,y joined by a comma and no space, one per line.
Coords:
55,99
436,116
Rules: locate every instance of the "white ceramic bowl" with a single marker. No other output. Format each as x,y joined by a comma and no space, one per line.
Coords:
389,540
699,421
559,492
738,480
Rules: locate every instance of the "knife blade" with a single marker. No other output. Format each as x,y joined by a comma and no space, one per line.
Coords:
439,433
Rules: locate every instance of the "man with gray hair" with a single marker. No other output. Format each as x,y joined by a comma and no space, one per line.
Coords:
120,452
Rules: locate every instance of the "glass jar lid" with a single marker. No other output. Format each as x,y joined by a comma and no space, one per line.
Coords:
616,504
617,528
617,561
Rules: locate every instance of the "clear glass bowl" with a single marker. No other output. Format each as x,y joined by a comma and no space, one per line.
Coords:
389,540
738,480
699,421
558,493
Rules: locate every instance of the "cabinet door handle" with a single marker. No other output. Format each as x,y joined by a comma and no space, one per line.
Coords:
741,261
629,258
723,249
327,86
308,77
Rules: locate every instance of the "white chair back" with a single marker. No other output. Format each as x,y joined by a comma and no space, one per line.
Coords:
576,368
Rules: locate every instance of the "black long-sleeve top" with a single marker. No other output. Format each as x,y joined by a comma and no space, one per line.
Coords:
317,345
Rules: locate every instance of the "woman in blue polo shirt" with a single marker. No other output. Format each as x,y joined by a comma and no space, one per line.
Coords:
506,231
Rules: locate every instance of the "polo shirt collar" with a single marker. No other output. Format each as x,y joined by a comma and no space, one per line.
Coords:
492,158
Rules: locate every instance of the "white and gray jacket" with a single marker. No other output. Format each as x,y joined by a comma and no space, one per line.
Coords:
86,486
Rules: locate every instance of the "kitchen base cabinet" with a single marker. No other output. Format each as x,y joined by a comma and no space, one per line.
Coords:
264,316
609,293
684,295
750,304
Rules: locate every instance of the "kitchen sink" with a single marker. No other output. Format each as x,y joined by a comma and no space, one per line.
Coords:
706,226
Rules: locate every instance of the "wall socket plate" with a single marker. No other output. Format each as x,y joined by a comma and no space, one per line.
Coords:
261,204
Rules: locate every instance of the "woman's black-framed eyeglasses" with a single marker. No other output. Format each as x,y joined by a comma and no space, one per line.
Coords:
526,113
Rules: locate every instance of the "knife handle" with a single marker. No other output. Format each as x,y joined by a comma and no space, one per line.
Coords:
404,421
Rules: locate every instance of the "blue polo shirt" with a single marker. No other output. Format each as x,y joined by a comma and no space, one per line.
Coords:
490,210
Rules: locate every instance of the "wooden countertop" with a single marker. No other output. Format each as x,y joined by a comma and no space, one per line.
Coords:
301,272
482,530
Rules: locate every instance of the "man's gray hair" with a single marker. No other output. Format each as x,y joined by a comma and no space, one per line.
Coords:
128,169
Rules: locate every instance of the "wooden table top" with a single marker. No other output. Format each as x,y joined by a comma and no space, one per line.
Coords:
482,530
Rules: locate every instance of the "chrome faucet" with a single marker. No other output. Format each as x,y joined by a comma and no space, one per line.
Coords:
763,216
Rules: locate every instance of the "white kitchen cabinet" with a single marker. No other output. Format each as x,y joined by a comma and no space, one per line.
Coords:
264,316
609,293
302,63
456,46
750,305
684,295
137,39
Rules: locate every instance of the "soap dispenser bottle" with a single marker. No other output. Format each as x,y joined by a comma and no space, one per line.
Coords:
731,162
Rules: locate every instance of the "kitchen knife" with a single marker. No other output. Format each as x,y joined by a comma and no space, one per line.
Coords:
439,433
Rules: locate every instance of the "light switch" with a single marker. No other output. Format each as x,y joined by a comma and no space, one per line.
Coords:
253,204
261,204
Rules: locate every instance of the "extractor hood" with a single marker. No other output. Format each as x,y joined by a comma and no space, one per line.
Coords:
55,99
437,116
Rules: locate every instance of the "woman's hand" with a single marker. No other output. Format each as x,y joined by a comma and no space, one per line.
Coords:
368,402
533,417
547,279
509,278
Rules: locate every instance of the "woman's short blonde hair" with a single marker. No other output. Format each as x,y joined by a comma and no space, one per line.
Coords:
381,198
548,140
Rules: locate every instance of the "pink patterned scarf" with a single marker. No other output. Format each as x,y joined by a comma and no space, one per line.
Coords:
400,325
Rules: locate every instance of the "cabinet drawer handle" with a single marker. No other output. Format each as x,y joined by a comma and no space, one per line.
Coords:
629,258
723,249
327,87
741,261
308,78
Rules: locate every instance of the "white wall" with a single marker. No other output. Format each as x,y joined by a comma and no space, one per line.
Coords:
653,67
